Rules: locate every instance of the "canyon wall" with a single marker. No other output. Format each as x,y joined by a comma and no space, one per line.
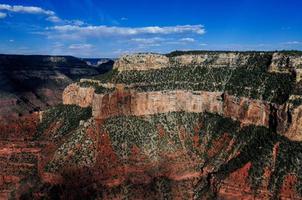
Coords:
123,102
130,101
186,125
251,99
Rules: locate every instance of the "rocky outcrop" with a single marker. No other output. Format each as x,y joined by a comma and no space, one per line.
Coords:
74,94
294,131
288,63
129,102
212,59
282,62
150,103
133,103
155,61
141,62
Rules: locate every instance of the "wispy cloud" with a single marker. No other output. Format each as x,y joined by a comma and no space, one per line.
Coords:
187,40
80,46
54,19
50,15
157,40
75,22
292,43
26,9
102,31
151,40
2,15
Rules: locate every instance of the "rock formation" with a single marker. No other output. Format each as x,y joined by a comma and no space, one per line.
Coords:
186,125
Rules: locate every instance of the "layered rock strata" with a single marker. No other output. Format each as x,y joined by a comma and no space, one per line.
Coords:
264,104
187,125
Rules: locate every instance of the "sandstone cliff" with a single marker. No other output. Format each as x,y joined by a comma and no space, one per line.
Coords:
131,101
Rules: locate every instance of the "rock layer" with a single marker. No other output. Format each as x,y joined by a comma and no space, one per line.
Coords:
130,102
127,135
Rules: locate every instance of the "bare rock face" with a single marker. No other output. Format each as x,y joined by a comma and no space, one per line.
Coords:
149,103
295,130
141,62
247,111
131,102
74,94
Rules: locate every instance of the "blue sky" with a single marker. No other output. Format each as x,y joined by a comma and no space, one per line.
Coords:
110,28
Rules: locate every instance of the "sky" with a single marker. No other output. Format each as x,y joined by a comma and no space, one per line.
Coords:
111,28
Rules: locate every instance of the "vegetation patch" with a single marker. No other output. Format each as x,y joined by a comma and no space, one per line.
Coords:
127,131
78,150
98,89
180,53
248,82
251,144
67,117
107,77
251,80
295,102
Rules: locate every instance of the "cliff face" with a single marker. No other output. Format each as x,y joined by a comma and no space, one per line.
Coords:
141,62
121,102
266,107
187,125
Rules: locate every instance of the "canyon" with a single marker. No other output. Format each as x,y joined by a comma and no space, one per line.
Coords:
33,83
28,85
185,125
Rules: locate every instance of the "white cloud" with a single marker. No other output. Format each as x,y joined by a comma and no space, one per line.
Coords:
66,34
54,19
26,9
2,15
148,40
80,46
75,22
30,10
293,43
51,15
100,31
11,40
187,40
